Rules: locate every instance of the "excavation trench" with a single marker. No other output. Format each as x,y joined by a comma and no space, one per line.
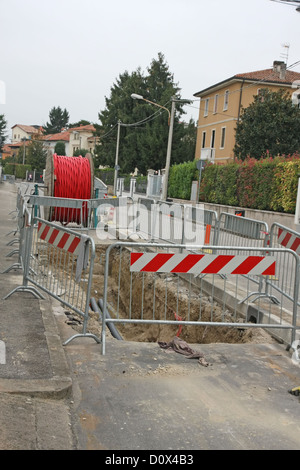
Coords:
162,297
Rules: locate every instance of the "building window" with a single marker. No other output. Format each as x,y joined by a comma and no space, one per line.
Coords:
226,100
213,136
206,104
216,104
223,133
260,94
203,139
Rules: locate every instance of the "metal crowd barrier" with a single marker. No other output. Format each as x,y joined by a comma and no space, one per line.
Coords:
23,217
62,210
175,223
110,209
59,262
23,224
281,236
240,231
160,284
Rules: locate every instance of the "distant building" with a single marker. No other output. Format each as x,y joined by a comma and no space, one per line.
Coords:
11,150
221,105
74,138
20,131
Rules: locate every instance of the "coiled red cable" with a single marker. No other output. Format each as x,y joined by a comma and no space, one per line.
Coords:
72,180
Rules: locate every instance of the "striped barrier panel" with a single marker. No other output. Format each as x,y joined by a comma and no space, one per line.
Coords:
202,264
289,240
55,237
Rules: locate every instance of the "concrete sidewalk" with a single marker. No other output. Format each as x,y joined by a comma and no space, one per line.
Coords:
137,396
35,382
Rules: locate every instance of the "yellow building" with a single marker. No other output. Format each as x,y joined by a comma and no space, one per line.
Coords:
221,105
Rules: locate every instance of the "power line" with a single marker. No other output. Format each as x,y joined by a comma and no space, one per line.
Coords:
135,124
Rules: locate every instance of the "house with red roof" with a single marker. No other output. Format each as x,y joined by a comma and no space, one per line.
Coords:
74,138
221,105
21,131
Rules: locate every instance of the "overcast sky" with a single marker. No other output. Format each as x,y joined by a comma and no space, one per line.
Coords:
69,53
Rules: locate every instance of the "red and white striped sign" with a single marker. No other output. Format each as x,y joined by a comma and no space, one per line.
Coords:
59,238
206,264
289,240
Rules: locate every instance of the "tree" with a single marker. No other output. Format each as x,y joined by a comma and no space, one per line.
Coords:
3,136
80,152
82,122
36,155
58,120
144,126
270,126
60,148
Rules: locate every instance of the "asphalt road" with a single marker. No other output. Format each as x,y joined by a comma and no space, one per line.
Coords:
137,397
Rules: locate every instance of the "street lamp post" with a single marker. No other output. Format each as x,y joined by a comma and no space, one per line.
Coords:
170,138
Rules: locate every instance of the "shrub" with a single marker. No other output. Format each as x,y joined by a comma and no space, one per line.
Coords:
285,186
180,179
16,169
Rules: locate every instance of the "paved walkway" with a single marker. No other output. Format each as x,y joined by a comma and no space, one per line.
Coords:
137,396
35,382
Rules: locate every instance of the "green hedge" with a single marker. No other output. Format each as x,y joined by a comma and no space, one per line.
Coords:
266,184
180,180
16,169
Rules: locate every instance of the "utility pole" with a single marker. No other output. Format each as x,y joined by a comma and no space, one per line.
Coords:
169,148
117,160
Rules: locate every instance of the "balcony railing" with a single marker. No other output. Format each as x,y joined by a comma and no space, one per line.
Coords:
208,154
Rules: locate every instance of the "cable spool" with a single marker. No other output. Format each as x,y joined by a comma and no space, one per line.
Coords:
69,178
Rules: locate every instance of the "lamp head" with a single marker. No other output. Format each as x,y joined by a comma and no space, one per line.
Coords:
137,97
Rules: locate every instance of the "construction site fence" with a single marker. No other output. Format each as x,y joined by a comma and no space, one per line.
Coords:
186,286
59,262
155,220
158,222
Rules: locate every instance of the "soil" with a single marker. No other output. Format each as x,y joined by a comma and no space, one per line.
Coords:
148,296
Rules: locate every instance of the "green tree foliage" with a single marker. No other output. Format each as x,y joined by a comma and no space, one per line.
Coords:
36,155
58,119
60,148
268,184
3,136
144,126
80,152
270,126
82,122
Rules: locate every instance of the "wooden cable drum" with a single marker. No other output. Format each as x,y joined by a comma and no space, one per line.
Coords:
69,178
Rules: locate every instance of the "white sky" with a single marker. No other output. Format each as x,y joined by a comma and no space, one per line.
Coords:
69,53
